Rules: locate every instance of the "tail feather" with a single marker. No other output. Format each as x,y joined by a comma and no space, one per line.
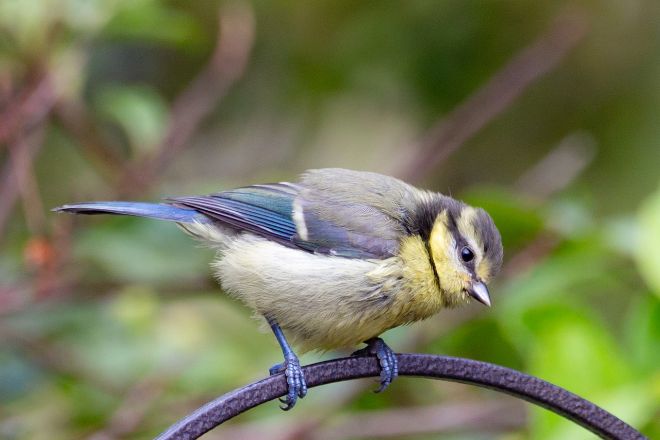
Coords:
150,210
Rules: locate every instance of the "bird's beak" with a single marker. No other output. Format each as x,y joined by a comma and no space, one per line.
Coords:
479,291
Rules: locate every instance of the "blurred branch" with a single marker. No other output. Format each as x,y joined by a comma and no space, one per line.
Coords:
41,253
74,117
22,159
21,126
6,87
227,64
22,152
489,416
531,255
132,410
28,108
559,167
486,416
537,59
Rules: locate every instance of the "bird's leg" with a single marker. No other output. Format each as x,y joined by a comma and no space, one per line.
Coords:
295,378
389,367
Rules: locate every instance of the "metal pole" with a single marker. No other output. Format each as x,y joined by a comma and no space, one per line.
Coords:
482,374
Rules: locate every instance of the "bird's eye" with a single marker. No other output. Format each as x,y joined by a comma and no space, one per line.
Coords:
467,254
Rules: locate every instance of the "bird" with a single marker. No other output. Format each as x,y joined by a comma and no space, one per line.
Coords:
335,259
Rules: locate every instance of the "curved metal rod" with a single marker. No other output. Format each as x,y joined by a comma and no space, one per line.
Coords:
483,374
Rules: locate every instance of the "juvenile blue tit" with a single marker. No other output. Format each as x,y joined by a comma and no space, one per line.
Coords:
337,258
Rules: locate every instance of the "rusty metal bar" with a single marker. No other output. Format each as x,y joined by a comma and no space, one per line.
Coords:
482,374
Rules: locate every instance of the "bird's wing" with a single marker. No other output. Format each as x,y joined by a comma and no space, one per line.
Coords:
331,211
352,213
264,210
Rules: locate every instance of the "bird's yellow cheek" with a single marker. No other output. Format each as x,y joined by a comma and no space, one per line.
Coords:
453,278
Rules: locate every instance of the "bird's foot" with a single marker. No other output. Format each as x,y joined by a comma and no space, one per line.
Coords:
295,380
389,367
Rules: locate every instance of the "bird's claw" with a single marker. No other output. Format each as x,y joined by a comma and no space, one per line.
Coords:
295,379
389,366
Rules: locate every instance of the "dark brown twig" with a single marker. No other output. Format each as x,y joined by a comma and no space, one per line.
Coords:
494,97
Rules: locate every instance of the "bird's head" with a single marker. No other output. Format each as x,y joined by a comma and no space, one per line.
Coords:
466,249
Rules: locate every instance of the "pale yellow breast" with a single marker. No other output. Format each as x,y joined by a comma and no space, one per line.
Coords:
325,302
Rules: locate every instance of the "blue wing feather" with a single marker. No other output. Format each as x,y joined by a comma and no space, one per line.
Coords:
276,197
267,210
264,210
137,209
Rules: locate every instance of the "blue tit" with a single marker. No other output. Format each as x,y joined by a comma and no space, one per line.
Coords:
337,258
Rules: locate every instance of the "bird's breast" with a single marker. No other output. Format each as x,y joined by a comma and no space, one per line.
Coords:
325,302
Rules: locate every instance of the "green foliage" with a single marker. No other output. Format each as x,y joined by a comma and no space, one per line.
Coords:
140,113
148,21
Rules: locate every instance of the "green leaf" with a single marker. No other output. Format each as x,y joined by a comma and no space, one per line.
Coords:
643,334
647,256
148,20
139,111
575,351
560,278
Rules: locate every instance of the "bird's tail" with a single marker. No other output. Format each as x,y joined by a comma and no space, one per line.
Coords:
150,210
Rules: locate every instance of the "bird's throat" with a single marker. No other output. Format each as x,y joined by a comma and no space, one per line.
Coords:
421,277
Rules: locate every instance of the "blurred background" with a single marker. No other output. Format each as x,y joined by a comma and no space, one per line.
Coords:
545,113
